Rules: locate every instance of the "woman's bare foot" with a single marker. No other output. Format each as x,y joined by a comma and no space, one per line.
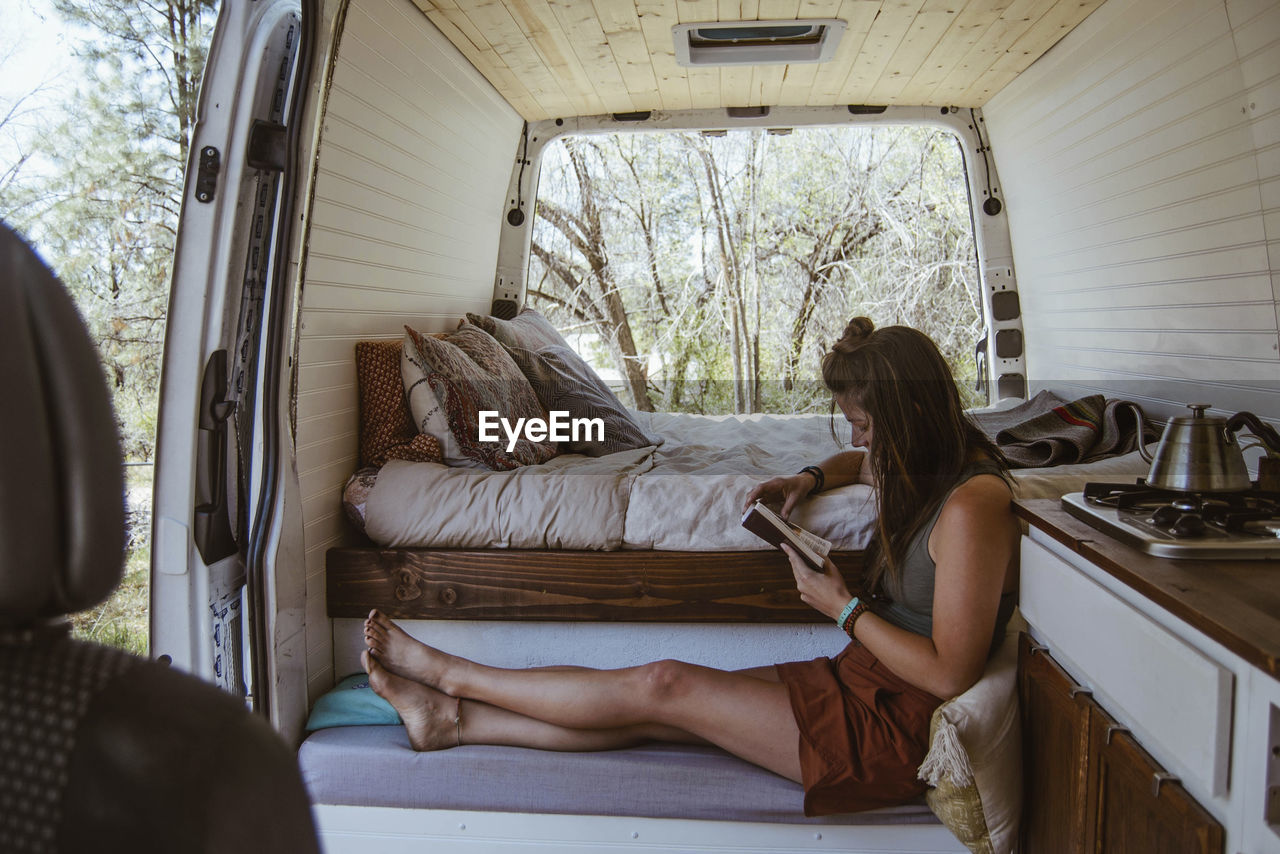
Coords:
400,654
430,717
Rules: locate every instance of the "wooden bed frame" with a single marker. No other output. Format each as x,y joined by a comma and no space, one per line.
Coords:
583,586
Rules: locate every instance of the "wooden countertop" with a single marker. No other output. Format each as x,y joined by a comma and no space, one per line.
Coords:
1235,602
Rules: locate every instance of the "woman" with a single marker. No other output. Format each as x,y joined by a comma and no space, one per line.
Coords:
945,555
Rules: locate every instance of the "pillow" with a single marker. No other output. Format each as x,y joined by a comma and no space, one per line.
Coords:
974,762
426,412
564,382
351,703
469,373
386,425
529,330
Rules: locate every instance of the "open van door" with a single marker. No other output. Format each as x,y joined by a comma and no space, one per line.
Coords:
218,433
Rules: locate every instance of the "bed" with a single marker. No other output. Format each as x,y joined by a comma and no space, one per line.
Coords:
644,526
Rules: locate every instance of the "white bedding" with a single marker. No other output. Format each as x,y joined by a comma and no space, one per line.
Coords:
685,494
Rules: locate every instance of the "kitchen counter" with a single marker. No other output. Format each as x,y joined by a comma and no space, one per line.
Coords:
1236,603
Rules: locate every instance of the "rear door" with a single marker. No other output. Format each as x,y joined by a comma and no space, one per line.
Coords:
217,443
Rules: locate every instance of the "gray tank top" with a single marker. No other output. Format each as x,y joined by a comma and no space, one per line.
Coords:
911,595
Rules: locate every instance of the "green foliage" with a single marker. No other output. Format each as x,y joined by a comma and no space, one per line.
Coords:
103,205
121,621
738,259
97,190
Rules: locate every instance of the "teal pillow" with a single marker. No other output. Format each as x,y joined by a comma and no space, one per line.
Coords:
351,703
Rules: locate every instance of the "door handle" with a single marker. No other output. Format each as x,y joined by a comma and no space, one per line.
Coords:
212,530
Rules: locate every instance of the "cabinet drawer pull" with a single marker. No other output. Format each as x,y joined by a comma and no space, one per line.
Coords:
1159,778
1080,689
1112,729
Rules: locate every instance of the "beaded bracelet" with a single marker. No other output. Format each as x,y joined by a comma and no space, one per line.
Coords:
818,477
858,611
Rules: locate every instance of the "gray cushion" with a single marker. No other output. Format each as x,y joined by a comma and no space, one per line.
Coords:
374,766
529,330
564,382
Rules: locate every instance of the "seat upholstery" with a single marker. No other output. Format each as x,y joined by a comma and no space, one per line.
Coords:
101,750
374,766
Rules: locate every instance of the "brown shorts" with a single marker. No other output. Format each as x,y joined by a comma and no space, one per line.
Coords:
863,731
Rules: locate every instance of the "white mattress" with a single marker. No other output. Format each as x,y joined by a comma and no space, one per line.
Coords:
685,494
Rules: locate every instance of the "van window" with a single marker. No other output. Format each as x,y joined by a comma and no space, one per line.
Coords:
708,272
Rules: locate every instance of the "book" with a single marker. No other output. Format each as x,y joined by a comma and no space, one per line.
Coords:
775,530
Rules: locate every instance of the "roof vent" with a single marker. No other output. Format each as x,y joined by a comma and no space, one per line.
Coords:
757,42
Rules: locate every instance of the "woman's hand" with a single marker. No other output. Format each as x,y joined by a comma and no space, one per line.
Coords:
788,490
825,592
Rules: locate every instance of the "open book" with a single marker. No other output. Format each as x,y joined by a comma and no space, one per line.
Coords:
773,529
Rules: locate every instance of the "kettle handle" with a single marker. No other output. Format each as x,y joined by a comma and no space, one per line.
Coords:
1142,430
1263,431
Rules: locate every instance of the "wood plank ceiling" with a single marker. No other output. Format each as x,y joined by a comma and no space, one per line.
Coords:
556,58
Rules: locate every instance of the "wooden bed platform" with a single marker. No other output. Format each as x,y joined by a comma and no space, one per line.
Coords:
590,586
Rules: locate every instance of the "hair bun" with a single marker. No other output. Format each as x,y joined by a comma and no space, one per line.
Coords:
855,335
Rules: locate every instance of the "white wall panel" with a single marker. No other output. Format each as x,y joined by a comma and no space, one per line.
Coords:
415,155
1140,159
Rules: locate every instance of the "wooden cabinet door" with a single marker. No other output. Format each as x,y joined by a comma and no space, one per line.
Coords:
1055,731
1134,806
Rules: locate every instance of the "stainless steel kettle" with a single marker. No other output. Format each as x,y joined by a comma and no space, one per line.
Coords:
1199,453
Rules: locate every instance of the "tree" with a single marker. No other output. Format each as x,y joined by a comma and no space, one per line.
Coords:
101,204
737,258
586,279
12,116
104,208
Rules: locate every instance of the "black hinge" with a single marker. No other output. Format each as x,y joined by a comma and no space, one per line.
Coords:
268,143
207,175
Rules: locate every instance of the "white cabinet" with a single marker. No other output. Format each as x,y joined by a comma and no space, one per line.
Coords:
1204,718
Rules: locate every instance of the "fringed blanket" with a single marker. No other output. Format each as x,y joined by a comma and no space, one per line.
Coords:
1050,431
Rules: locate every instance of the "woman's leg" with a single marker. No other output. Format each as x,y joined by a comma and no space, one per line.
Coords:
436,721
749,716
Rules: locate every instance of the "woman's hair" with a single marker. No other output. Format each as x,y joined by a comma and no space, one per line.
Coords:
921,437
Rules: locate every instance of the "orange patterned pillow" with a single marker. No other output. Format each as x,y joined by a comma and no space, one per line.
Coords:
386,425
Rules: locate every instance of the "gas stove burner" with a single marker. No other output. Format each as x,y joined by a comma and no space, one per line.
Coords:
1187,504
1137,496
1170,523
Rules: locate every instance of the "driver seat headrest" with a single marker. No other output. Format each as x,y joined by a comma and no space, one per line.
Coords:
62,498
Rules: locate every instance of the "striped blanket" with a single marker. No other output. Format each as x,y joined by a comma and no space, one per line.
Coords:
1050,431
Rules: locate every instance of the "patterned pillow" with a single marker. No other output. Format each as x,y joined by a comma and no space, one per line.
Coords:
564,382
529,330
469,372
426,411
974,764
386,424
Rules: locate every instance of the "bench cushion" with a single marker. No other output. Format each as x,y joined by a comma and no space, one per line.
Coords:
374,766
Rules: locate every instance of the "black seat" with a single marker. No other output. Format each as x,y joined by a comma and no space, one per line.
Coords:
100,750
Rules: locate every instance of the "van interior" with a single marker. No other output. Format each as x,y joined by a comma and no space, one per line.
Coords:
363,166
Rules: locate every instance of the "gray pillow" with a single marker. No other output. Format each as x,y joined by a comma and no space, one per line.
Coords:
529,330
564,382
